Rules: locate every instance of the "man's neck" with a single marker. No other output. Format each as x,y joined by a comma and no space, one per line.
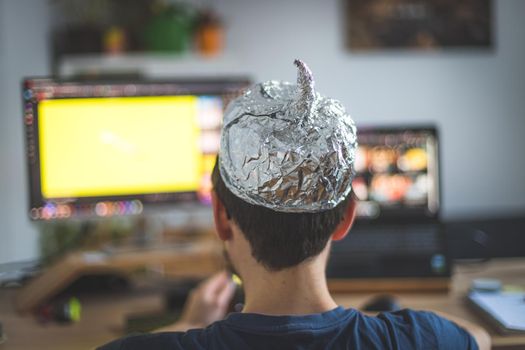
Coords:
299,290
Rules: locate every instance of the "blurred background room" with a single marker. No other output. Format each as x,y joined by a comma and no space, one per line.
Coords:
453,67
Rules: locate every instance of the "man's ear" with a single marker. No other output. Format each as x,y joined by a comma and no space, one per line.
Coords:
347,222
221,218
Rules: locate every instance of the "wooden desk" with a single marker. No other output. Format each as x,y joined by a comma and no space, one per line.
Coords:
509,271
103,315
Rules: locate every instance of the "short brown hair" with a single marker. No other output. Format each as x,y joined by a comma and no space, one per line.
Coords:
279,240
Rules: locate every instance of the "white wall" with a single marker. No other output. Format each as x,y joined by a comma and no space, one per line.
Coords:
3,161
476,98
23,51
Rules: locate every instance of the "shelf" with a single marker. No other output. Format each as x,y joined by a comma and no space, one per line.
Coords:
152,65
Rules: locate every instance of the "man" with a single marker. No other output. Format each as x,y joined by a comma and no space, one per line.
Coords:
282,194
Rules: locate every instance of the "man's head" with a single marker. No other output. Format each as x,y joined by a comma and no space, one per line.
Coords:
284,172
281,240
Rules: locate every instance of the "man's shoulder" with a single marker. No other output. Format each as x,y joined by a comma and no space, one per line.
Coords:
426,328
405,329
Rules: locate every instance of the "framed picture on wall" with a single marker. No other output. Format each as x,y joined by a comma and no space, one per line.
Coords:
418,24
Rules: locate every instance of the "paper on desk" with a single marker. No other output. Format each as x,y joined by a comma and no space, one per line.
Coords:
508,308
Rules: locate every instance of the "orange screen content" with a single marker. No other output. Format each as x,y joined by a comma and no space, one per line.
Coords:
119,146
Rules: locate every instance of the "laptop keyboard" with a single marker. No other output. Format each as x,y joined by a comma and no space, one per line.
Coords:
394,251
396,240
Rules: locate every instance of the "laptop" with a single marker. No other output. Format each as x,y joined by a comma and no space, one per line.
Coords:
397,242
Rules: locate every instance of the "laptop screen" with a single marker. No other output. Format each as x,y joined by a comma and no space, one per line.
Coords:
397,174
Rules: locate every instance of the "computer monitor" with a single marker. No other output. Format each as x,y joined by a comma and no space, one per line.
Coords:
110,148
397,174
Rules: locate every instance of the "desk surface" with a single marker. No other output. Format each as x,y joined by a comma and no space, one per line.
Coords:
509,271
103,315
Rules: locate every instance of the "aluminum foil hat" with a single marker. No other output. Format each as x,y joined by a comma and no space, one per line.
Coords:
287,148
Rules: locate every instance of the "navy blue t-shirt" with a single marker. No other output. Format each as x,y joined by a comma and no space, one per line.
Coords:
335,329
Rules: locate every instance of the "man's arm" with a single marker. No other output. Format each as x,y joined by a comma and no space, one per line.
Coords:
480,334
206,304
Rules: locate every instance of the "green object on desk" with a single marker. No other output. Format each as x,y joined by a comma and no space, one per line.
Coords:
75,309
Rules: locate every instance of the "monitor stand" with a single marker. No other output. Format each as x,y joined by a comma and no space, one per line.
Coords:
193,259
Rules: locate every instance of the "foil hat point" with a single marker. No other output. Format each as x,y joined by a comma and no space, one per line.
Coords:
288,148
305,98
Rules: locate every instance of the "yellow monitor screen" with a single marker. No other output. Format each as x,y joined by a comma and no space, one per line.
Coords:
119,146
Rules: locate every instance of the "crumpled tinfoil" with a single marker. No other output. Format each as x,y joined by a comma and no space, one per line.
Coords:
287,148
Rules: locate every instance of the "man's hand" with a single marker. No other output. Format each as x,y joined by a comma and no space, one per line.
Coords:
206,304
